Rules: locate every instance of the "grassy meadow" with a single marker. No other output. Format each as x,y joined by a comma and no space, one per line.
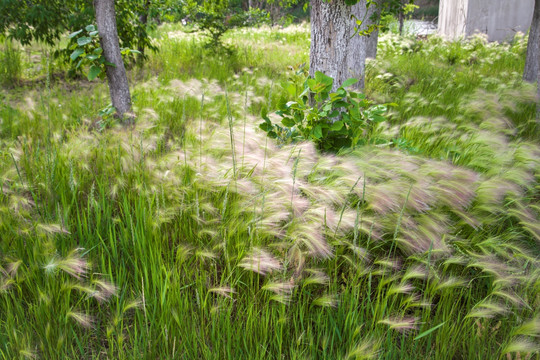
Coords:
189,234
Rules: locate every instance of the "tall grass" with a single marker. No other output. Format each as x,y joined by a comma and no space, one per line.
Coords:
10,64
191,235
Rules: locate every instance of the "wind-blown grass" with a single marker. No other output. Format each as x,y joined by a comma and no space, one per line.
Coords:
192,235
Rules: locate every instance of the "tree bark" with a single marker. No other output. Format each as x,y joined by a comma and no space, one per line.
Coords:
362,47
373,39
143,18
331,50
538,98
401,18
116,75
533,47
358,44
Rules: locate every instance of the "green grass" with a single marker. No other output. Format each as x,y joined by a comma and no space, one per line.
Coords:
191,235
10,64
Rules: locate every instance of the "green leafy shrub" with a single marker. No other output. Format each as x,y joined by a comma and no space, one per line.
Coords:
47,20
332,120
214,18
88,51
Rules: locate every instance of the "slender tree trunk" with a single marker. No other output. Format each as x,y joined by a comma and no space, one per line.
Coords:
533,47
116,75
373,39
358,45
538,98
330,35
401,18
250,6
143,18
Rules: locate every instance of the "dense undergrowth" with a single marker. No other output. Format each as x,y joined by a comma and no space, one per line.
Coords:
191,235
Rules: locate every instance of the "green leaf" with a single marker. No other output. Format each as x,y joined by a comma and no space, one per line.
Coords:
73,34
90,28
266,127
93,33
84,40
349,82
291,88
290,103
93,72
305,92
337,126
312,84
264,114
341,103
323,79
92,57
75,54
333,114
288,122
427,332
317,132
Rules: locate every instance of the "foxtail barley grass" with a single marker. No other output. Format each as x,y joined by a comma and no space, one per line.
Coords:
157,241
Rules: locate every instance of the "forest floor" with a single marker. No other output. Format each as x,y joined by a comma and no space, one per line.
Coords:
189,234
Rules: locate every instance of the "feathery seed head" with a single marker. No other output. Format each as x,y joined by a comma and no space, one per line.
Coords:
260,261
225,291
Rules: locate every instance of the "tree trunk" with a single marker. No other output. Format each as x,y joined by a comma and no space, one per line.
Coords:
143,18
250,6
373,39
401,18
358,45
331,28
538,98
116,75
533,47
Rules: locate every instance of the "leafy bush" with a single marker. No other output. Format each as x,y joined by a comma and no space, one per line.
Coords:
215,18
47,20
332,120
87,49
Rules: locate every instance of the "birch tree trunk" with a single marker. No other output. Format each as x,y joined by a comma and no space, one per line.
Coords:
533,47
116,75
